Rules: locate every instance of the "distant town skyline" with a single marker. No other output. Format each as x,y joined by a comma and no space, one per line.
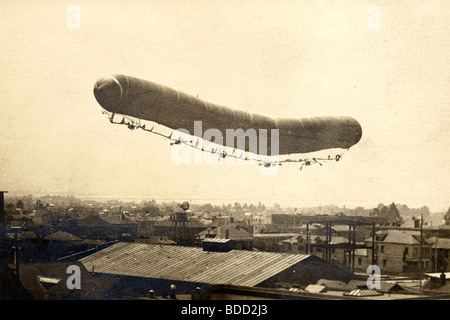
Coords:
384,65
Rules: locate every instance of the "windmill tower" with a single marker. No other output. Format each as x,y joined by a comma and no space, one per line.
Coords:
181,233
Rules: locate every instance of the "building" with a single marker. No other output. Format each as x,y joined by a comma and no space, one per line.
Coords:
440,253
182,232
272,242
398,252
242,239
447,218
338,246
144,267
122,227
363,257
48,281
93,227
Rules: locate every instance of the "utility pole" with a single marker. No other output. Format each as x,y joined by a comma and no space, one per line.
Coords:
420,256
435,255
373,243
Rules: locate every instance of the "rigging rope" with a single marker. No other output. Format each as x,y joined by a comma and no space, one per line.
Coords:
135,123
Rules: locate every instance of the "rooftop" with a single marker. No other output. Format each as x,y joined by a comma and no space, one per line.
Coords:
228,232
62,236
400,236
191,264
439,243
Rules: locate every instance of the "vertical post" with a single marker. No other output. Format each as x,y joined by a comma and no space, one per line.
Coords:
328,241
435,255
307,238
353,248
373,243
325,254
420,255
16,258
349,243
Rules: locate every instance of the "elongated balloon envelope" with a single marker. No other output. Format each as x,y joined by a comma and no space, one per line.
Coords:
121,94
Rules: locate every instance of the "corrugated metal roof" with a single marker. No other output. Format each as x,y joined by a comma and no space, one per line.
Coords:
237,267
363,293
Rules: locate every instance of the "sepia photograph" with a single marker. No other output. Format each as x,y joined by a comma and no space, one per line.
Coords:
234,151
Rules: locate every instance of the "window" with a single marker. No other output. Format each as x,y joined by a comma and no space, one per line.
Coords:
384,263
382,249
359,261
406,250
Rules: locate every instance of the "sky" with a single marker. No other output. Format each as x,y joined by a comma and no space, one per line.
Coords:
384,63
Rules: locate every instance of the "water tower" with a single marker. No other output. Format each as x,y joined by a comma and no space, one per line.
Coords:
179,219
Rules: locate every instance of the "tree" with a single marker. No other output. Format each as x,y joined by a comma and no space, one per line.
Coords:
375,213
276,207
9,206
393,211
19,204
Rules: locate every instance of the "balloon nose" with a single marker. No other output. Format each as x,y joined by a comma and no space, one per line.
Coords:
108,91
357,132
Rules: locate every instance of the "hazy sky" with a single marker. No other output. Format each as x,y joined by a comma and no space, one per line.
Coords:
277,58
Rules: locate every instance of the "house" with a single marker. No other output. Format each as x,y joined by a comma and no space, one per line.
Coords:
440,253
94,227
338,254
273,242
398,252
447,218
65,238
243,240
122,226
363,259
61,244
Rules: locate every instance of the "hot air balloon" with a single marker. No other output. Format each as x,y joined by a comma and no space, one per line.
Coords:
146,100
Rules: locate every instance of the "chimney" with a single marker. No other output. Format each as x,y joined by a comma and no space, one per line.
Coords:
173,292
416,222
2,207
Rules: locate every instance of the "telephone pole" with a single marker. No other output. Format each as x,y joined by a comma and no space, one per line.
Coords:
420,255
